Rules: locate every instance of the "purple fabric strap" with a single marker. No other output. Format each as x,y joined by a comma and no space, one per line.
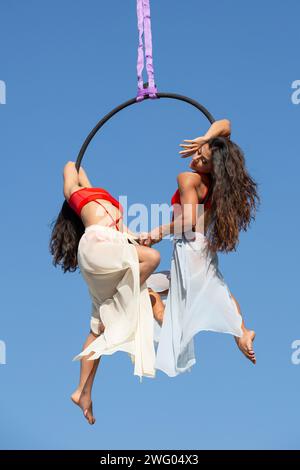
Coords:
144,27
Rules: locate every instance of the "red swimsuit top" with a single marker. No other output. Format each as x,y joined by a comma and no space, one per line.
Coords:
176,199
82,196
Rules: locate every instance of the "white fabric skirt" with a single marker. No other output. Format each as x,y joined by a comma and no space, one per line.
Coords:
198,300
110,266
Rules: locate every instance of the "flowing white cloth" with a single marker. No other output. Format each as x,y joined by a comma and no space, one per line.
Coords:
198,300
110,266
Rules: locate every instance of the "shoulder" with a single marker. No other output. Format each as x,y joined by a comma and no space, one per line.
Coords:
188,179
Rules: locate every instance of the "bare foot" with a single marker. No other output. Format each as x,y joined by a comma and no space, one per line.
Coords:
157,305
84,402
245,344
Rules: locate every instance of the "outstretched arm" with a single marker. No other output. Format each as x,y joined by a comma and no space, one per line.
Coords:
186,219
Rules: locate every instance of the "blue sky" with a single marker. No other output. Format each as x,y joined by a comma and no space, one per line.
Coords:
65,64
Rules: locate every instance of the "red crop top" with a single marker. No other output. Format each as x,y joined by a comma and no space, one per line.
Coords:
82,196
176,199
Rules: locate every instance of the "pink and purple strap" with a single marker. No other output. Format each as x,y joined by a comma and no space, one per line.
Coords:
144,27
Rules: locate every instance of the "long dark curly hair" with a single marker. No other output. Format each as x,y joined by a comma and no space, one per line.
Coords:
66,233
234,197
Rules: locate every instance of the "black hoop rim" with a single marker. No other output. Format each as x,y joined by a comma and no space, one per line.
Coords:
124,105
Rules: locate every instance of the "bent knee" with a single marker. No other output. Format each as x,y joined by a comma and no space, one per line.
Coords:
154,257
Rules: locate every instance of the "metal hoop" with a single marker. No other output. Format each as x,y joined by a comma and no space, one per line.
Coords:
108,116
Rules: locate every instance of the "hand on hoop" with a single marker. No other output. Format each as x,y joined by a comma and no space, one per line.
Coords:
193,146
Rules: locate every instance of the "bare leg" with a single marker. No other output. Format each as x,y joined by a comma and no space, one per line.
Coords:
83,394
157,305
149,259
245,343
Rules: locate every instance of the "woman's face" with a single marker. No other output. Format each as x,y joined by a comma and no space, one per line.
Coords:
202,160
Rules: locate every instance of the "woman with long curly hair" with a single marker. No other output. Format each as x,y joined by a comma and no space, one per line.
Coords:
212,204
89,233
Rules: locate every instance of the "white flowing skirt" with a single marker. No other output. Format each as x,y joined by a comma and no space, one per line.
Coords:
198,300
110,266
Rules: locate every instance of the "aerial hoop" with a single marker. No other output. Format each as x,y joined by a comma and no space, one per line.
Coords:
145,90
108,116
